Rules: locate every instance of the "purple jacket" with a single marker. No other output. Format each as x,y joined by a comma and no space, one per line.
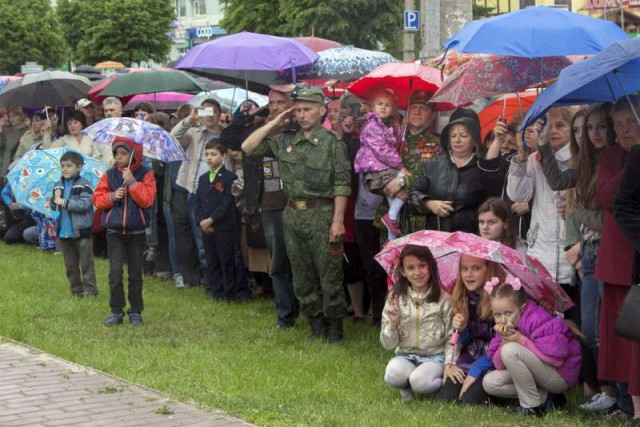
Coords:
549,338
378,147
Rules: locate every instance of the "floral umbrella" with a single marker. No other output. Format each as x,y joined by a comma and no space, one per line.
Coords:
488,75
346,63
448,247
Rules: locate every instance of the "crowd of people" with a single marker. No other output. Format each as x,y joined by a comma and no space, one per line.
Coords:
298,196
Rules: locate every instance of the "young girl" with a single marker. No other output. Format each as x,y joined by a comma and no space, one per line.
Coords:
378,157
473,322
494,219
533,351
416,321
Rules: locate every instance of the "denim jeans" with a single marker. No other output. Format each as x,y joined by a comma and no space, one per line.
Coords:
197,232
590,297
285,299
129,249
171,237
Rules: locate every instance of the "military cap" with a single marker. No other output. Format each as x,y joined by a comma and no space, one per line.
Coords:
310,95
420,97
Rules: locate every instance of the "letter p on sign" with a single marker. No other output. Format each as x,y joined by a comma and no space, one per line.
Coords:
411,20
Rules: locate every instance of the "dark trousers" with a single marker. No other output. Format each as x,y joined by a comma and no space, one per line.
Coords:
219,248
129,249
475,394
186,250
368,240
78,264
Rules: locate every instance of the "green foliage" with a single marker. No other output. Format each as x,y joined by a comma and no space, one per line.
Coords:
480,11
29,31
378,22
119,30
226,355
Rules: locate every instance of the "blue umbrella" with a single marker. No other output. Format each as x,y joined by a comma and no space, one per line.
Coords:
537,32
605,77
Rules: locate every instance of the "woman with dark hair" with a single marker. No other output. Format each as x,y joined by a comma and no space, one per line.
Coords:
452,185
74,122
494,223
143,110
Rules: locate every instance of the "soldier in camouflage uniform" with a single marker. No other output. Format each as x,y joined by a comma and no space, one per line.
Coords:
315,172
418,145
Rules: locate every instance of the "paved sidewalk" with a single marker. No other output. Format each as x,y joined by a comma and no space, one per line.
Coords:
37,389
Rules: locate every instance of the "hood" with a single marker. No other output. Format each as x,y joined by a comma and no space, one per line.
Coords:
472,125
131,147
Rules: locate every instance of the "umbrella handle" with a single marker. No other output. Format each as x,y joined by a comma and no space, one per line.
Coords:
626,95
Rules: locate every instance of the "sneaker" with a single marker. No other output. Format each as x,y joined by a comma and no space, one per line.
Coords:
178,280
406,394
392,225
599,402
135,319
151,254
114,319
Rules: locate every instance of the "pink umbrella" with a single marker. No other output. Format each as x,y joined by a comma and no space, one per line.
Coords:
448,247
160,100
317,44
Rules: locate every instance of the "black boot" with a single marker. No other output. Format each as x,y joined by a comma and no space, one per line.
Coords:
335,331
318,328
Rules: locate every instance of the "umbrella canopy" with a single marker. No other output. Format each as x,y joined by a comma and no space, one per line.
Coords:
230,98
488,75
87,69
605,77
506,106
33,176
347,63
152,81
317,44
449,61
402,78
110,64
537,32
160,100
53,88
4,81
156,143
448,247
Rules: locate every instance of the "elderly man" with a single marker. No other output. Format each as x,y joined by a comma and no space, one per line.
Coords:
265,198
112,107
315,171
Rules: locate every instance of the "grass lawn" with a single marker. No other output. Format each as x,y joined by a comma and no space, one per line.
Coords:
226,356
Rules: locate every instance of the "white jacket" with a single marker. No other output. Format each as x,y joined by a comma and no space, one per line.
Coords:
545,238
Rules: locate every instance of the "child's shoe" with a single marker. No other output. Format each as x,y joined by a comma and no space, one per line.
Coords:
114,319
135,319
406,394
392,225
600,402
178,280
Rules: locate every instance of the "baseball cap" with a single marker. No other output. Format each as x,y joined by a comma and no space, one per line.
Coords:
83,103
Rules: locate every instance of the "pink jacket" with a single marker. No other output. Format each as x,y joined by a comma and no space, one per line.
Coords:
549,338
378,147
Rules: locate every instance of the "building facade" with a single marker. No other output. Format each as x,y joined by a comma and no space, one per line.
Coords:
197,21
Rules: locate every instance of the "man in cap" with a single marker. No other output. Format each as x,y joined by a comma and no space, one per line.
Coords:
87,108
315,171
419,145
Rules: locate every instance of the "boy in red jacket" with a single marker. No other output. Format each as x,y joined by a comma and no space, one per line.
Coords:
124,194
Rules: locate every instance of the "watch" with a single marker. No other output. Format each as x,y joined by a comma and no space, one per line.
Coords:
401,179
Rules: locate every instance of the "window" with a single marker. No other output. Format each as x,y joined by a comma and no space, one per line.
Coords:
181,8
527,3
199,7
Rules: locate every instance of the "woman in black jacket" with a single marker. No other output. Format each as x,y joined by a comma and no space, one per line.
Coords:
453,184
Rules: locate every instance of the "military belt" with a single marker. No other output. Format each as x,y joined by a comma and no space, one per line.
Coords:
301,205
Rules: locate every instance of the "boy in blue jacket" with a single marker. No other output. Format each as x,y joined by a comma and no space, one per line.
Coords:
215,214
124,194
72,197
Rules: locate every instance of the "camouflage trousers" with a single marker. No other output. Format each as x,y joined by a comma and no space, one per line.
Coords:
316,264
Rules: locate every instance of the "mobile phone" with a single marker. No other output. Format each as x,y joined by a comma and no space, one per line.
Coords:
355,110
205,112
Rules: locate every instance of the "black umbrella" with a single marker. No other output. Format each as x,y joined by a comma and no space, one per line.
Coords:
53,88
86,69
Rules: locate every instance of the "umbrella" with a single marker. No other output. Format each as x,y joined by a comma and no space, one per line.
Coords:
488,75
402,78
4,81
317,44
94,92
448,247
506,106
152,81
33,176
230,98
157,143
537,32
347,63
160,100
86,69
605,77
449,61
35,90
110,64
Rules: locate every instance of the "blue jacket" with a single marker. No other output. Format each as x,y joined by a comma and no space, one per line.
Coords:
78,205
214,200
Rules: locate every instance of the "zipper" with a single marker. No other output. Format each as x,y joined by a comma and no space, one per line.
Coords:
124,213
418,315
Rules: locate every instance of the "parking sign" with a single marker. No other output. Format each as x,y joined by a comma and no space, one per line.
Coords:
411,20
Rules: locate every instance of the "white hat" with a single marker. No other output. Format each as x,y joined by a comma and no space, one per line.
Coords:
83,103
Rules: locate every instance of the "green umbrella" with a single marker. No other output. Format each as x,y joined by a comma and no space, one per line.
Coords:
152,81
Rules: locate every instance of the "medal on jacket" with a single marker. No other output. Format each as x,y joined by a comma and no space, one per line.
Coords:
289,148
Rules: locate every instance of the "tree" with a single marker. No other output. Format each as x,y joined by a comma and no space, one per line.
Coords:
29,31
119,30
368,24
482,11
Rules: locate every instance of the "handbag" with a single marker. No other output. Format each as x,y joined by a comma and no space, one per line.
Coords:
628,324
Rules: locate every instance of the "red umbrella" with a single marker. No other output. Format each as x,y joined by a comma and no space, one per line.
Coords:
93,93
317,44
403,79
508,106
